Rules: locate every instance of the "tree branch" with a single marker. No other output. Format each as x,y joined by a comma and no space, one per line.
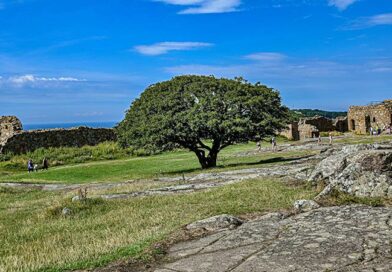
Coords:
202,145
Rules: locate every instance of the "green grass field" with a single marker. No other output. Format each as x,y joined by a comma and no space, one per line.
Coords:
97,167
131,168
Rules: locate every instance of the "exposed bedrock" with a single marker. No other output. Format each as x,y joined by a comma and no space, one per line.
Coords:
360,170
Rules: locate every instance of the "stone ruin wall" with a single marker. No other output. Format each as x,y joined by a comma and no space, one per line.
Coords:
341,124
361,118
18,141
312,126
9,125
291,132
307,131
321,123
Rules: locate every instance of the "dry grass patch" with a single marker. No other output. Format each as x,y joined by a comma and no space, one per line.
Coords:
36,236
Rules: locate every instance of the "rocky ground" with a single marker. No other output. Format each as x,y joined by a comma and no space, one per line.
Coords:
313,238
360,170
349,238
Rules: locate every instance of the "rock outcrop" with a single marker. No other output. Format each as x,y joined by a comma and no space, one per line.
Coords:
348,238
360,170
304,205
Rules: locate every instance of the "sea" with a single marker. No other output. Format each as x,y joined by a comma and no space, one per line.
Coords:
69,125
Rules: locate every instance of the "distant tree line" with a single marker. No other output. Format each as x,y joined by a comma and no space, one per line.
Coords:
296,114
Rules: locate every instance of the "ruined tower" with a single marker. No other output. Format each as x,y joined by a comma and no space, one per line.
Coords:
9,126
362,118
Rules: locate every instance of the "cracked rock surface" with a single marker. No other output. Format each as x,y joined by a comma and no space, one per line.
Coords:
348,238
361,170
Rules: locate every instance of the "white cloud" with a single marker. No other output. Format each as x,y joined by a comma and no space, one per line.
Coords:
366,22
381,19
305,82
205,6
26,79
276,71
382,65
165,47
22,79
266,56
341,4
288,69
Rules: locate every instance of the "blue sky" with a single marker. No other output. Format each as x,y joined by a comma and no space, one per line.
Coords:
86,60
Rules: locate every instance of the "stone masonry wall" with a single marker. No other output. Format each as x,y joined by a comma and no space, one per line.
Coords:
291,132
76,137
341,124
311,127
9,125
362,118
307,131
320,122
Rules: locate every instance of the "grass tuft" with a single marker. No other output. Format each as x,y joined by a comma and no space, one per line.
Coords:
338,198
80,208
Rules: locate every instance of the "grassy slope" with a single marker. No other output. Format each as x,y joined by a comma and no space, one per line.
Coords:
170,163
35,235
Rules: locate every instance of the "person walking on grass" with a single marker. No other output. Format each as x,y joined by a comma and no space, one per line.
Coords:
30,166
258,144
45,164
273,143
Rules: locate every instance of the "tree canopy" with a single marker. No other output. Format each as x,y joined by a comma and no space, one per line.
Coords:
203,114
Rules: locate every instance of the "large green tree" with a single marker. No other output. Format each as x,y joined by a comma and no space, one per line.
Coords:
203,114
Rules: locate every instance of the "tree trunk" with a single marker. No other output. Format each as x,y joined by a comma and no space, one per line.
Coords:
207,161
